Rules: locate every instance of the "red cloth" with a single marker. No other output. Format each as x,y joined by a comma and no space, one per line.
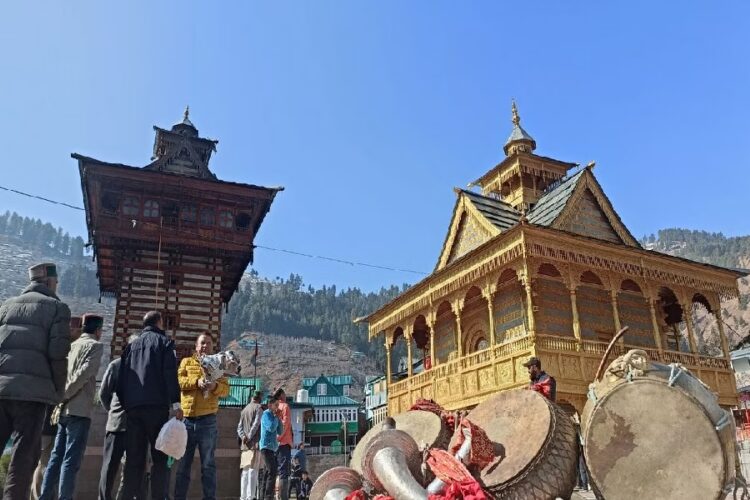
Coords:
481,452
381,497
446,467
431,406
357,495
546,386
465,490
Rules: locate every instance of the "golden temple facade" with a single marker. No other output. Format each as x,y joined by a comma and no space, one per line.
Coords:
538,263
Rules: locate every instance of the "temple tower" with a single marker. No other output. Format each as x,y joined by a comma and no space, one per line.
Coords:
170,236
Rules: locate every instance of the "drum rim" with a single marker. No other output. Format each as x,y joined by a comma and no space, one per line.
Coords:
651,380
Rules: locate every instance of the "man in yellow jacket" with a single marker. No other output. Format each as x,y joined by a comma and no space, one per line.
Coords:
200,419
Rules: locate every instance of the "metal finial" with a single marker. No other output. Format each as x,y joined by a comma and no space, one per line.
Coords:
187,113
516,119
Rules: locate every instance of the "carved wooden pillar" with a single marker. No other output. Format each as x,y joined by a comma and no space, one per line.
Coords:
526,279
387,361
576,319
431,322
489,293
457,306
687,314
616,315
655,324
410,366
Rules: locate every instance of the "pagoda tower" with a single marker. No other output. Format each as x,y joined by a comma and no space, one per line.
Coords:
170,236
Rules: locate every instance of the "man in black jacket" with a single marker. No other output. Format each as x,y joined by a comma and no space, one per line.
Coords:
147,388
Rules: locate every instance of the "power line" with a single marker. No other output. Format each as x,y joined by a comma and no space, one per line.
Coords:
216,238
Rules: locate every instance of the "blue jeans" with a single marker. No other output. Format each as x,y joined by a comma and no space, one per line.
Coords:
202,433
63,465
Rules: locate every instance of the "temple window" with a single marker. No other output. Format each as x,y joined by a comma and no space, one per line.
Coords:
322,389
110,202
208,216
189,214
131,205
151,208
226,219
243,221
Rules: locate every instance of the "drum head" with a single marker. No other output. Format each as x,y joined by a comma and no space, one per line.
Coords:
423,426
518,424
645,439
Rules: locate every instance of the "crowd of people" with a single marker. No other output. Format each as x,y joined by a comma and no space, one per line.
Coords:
48,369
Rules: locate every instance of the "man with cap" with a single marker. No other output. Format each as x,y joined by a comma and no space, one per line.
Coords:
75,411
34,344
540,381
248,432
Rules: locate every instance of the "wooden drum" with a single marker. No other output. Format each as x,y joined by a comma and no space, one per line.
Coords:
535,446
424,427
656,431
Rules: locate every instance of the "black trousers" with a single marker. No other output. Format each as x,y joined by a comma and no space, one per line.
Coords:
114,449
23,420
271,471
144,424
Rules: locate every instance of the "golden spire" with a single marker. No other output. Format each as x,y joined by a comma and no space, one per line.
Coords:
516,119
187,113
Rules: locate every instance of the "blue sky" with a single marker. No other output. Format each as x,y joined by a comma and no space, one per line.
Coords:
369,113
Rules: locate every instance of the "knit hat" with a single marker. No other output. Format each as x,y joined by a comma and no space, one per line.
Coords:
42,271
92,321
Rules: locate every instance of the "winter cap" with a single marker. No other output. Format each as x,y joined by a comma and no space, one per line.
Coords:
42,271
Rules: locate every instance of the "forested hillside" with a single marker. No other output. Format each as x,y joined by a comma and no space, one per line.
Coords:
713,248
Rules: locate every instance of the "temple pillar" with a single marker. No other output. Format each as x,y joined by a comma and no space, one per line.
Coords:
655,325
457,306
387,361
489,293
431,325
529,306
576,319
409,360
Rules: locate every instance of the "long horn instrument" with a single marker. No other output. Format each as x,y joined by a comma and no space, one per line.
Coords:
336,484
392,463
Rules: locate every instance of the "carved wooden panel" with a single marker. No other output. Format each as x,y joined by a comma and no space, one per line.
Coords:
636,315
470,385
508,310
554,315
486,378
570,368
595,313
504,372
589,219
468,237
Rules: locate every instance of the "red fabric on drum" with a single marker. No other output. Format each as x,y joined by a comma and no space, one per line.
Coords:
481,452
465,490
357,495
382,497
446,467
429,405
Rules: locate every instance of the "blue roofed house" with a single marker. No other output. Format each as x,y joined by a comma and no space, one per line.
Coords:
333,408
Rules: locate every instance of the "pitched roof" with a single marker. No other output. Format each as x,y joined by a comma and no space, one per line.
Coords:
337,380
331,401
499,213
552,203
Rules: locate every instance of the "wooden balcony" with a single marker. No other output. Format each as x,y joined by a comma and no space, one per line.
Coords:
464,382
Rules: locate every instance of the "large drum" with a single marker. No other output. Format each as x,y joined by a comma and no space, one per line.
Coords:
535,446
424,427
656,431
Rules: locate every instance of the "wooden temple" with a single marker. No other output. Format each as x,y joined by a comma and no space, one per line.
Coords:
538,263
170,236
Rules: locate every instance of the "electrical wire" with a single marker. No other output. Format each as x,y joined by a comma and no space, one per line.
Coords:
225,240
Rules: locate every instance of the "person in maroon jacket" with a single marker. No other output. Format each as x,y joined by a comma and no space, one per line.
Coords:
540,381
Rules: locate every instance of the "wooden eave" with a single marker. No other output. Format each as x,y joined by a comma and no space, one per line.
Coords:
495,171
652,266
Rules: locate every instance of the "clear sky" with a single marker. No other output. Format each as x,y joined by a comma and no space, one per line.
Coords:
370,112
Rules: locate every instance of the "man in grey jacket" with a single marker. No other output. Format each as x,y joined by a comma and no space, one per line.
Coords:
75,411
114,439
34,342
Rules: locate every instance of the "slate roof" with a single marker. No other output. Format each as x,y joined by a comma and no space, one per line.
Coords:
500,214
519,134
337,380
553,202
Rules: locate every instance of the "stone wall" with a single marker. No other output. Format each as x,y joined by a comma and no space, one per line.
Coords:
227,460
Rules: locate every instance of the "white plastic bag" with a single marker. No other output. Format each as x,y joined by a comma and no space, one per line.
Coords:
172,439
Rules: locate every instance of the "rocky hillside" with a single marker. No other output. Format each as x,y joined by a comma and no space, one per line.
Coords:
285,361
